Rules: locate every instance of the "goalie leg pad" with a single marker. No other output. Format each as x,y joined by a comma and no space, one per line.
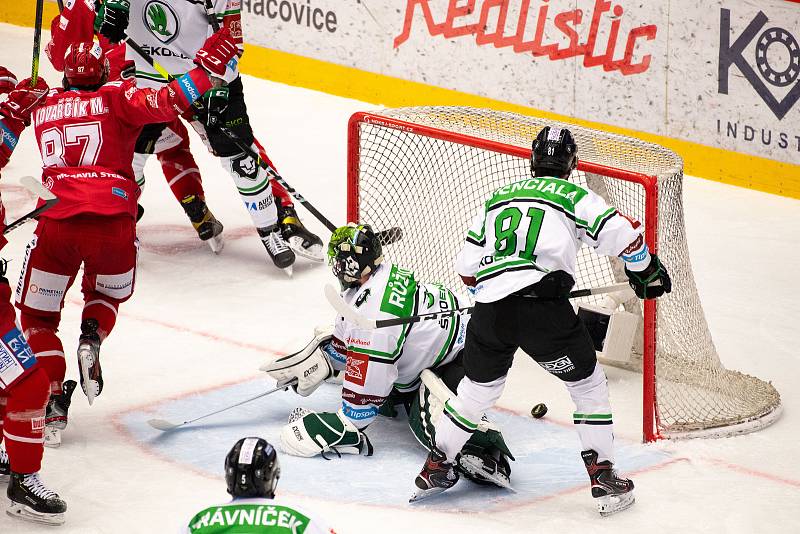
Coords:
310,366
308,434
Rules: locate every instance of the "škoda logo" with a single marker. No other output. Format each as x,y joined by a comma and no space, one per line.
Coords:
770,44
521,24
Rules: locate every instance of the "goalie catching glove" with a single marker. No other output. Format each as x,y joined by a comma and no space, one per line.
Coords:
310,367
309,434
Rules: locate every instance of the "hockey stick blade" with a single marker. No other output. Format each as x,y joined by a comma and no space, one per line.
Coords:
342,308
35,187
390,235
165,426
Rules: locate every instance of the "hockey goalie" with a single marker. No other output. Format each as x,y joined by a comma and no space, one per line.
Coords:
386,369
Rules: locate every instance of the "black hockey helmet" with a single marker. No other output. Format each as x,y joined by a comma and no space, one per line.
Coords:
252,469
354,250
554,153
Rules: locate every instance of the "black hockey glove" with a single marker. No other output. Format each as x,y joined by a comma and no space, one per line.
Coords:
112,18
652,282
216,103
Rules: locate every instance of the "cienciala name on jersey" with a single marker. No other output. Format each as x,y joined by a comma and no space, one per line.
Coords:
543,185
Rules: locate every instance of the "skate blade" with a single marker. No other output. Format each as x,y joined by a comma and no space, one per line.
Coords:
216,243
422,494
288,271
475,467
314,252
89,386
52,437
613,504
5,478
20,511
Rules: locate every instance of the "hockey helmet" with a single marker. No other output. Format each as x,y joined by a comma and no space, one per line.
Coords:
554,152
354,250
252,469
85,66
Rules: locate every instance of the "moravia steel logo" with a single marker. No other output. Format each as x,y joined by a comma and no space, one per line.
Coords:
776,57
161,20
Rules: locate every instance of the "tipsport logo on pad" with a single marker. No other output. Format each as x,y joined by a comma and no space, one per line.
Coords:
767,55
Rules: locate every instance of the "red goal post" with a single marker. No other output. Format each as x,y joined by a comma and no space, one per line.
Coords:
428,169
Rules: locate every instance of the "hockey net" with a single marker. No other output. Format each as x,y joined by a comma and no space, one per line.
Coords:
428,169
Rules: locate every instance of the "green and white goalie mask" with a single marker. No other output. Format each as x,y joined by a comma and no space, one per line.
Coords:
354,251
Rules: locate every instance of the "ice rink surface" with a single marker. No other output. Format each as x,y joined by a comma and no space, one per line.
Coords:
198,327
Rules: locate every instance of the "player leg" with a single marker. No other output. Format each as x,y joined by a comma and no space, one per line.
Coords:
251,180
488,354
48,271
484,458
109,249
183,176
560,343
301,240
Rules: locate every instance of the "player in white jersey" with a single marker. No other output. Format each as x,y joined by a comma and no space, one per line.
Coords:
252,471
172,32
383,367
519,259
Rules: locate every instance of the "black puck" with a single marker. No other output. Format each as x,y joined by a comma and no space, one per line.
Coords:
539,410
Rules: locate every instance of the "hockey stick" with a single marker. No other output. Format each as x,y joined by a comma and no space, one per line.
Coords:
342,308
34,186
164,425
387,237
37,41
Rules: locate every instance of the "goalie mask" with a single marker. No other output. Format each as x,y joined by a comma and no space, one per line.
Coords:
353,252
252,469
554,153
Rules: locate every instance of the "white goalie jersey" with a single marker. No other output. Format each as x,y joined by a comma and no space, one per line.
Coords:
172,33
378,360
537,225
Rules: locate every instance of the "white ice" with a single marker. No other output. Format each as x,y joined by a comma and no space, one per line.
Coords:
198,322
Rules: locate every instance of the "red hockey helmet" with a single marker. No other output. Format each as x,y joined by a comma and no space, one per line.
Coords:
85,66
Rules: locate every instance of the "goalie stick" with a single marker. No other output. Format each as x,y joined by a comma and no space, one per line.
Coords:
387,237
342,308
34,186
164,425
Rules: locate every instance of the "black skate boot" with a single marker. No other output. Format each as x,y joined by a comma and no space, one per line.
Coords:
5,465
55,419
436,476
31,500
207,226
612,493
278,250
89,360
301,241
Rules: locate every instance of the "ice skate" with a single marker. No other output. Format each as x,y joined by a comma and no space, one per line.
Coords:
207,226
55,419
5,465
611,493
278,250
483,467
301,241
436,476
89,360
31,500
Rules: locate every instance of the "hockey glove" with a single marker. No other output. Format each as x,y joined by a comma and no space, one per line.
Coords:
23,100
112,18
309,434
128,71
652,282
216,103
310,366
217,51
7,80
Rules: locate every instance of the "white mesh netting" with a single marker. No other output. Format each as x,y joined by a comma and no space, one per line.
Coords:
431,188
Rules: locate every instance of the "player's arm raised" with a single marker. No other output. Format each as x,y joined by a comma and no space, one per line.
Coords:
145,106
614,234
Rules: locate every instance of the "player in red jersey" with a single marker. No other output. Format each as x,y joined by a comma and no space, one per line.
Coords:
24,386
86,134
75,24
